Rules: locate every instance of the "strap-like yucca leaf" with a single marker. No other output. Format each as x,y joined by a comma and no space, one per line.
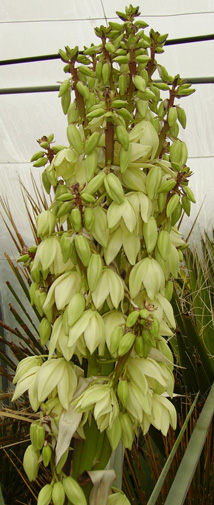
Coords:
185,473
157,489
201,301
1,497
197,367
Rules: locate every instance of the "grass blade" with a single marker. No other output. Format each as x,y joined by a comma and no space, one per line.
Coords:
185,473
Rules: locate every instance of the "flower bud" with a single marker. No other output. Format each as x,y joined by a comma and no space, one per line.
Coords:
126,343
58,494
74,138
44,496
92,142
127,430
76,219
88,218
33,437
40,437
73,491
114,434
115,339
164,244
139,346
45,223
172,204
155,327
132,318
31,462
153,180
106,72
150,234
46,455
83,249
94,271
172,116
123,137
123,392
114,188
44,330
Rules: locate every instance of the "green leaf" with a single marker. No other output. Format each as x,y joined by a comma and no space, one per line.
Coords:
201,303
191,351
1,497
186,471
156,491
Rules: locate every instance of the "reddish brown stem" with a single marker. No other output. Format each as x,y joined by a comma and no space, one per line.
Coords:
151,65
120,366
165,129
79,97
109,141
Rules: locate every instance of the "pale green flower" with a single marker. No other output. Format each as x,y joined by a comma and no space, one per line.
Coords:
91,325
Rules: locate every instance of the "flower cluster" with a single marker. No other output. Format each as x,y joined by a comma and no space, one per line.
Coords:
109,249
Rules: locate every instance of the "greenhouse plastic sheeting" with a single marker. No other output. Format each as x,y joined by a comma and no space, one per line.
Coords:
30,28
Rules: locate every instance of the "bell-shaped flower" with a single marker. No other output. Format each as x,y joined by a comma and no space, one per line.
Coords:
141,370
131,244
167,309
139,152
121,237
109,284
25,379
145,133
123,211
164,329
26,365
163,414
45,222
64,163
173,261
163,346
59,340
149,274
128,427
112,320
176,238
49,257
100,229
79,176
91,326
60,374
62,290
68,424
141,204
102,399
166,372
134,179
137,403
118,499
114,433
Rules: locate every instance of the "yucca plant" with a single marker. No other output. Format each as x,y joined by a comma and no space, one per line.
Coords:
106,250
